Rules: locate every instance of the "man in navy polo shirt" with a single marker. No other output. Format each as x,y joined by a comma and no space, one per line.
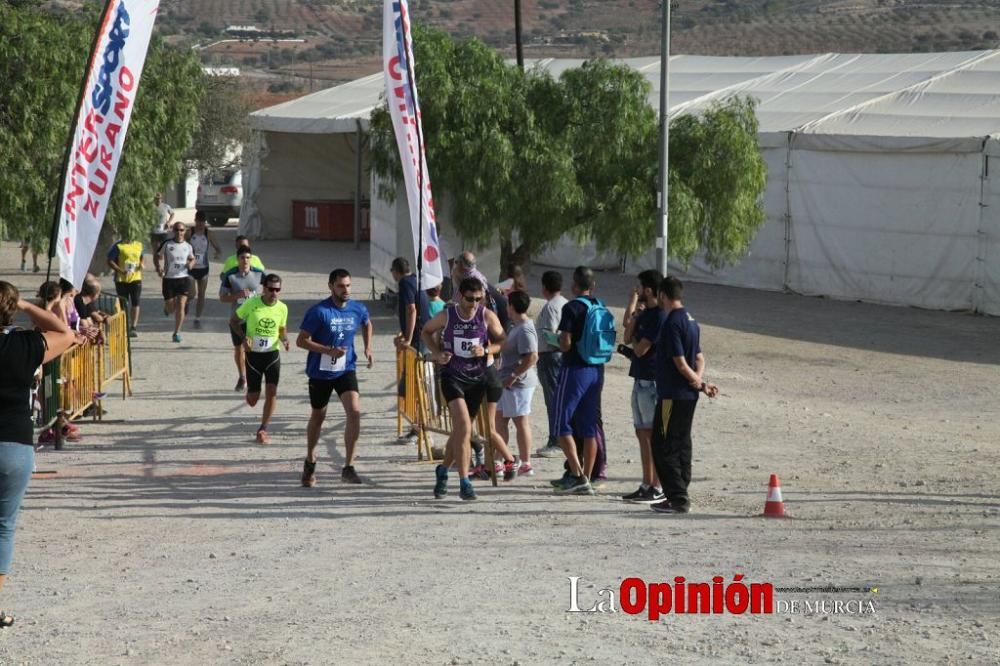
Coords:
643,319
327,333
679,369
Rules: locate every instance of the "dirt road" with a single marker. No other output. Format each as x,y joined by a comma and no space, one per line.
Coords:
168,536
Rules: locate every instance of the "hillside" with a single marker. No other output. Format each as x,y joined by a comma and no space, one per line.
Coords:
337,40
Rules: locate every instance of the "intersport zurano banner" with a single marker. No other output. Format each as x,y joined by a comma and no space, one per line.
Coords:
404,107
109,93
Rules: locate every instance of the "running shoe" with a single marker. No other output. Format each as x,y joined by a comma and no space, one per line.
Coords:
308,474
549,451
466,491
263,437
525,470
441,482
599,481
177,337
349,475
558,482
510,470
646,495
24,268
241,384
36,269
47,436
197,323
480,472
575,485
132,333
71,434
667,507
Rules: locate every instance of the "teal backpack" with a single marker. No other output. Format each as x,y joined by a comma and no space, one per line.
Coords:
597,343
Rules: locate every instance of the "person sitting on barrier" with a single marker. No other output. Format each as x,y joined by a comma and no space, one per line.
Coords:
66,310
21,352
91,318
49,296
460,339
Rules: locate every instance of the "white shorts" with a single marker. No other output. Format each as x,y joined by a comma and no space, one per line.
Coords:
515,402
643,403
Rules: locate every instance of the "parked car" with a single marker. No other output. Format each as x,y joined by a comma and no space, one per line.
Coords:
220,196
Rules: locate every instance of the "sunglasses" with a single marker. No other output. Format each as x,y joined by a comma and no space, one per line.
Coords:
176,229
274,289
470,299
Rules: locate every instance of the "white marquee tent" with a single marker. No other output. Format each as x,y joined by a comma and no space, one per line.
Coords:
879,184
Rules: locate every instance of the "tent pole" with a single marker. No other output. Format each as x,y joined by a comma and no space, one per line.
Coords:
357,187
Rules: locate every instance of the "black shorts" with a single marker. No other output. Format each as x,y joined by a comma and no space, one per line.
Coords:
472,391
198,274
173,287
130,292
320,390
264,366
494,386
238,339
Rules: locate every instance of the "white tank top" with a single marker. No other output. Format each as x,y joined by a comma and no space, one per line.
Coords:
199,243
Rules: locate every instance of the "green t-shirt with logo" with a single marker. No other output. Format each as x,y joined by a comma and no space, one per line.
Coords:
263,322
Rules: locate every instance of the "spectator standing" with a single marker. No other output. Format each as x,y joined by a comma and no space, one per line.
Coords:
680,366
549,354
21,352
643,320
517,372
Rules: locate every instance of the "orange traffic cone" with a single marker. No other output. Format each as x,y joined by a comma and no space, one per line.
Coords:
774,507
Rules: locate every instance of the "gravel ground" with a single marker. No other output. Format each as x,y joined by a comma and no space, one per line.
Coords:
168,536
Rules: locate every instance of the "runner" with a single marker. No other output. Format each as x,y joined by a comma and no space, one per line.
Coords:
127,260
200,239
266,321
327,333
466,329
239,284
178,257
230,262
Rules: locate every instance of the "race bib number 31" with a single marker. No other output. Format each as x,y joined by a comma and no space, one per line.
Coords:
262,343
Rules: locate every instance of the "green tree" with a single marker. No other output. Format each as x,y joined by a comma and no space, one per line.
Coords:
524,159
42,60
223,125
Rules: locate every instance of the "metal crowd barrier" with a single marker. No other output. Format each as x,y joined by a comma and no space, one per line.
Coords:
421,404
77,379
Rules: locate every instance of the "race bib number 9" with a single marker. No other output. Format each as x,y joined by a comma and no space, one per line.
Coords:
464,347
329,364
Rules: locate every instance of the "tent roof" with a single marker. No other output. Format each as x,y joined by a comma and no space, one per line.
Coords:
916,95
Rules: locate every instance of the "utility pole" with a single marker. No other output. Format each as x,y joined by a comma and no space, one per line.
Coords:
517,34
662,254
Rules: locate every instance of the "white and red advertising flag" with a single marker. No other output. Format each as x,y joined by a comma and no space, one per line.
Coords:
404,107
109,93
